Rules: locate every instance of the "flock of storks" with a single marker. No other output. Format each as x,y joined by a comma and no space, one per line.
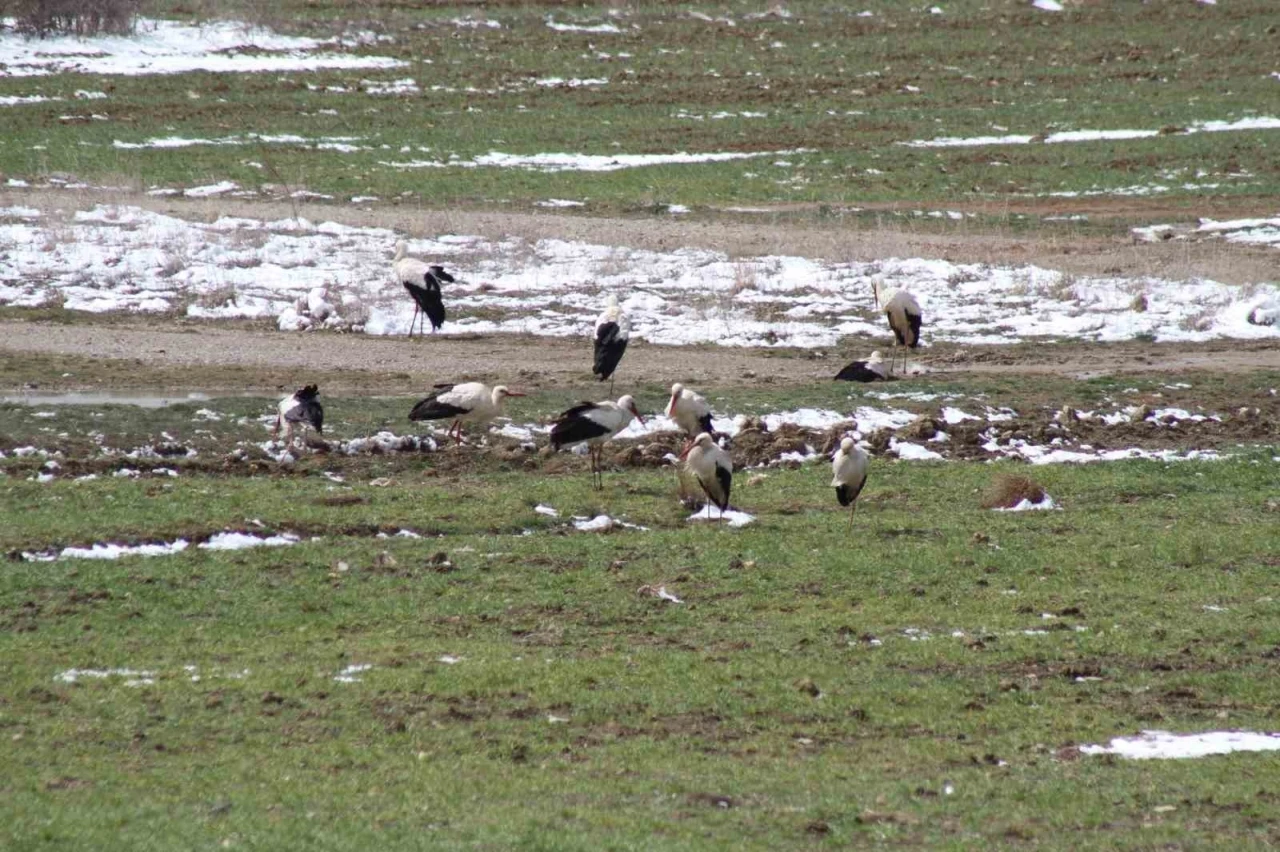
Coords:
594,423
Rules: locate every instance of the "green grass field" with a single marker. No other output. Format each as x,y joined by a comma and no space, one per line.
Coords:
837,90
920,678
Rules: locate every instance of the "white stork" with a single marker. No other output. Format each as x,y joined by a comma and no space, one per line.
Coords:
299,407
904,315
613,331
593,423
712,467
471,402
849,474
689,410
423,283
871,370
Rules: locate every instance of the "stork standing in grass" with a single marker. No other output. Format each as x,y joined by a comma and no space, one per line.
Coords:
423,283
593,423
613,332
471,402
904,315
849,474
299,407
871,370
712,467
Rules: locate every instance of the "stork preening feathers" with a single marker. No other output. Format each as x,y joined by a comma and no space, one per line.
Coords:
904,315
712,467
299,407
471,402
593,423
423,283
613,332
849,474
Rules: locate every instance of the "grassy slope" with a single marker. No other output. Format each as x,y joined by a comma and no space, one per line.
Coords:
827,80
688,726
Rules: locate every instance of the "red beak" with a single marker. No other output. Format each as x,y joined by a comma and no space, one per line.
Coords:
514,393
637,414
688,445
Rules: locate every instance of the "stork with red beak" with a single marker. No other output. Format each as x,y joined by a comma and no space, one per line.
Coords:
594,423
471,402
689,410
712,467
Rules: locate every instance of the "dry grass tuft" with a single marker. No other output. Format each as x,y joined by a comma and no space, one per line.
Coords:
1008,490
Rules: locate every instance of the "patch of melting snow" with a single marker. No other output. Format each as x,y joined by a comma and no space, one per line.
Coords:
134,677
730,517
1025,505
1254,123
240,541
449,660
115,551
559,202
566,162
913,452
601,523
550,287
1163,745
543,509
171,47
349,674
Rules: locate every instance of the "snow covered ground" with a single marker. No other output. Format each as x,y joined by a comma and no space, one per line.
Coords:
124,258
171,47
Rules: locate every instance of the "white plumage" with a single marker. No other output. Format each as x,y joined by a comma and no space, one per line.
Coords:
849,474
689,410
422,282
299,408
712,467
471,402
593,423
904,315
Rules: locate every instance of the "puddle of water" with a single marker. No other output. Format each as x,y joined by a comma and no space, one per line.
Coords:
103,398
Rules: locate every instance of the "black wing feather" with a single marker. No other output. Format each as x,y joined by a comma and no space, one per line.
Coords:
704,423
608,350
439,273
858,371
569,430
725,479
432,408
846,494
915,321
428,298
307,411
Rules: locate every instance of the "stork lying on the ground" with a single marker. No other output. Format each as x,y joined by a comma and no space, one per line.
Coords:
471,402
613,332
299,407
593,423
712,467
849,474
905,318
871,370
423,283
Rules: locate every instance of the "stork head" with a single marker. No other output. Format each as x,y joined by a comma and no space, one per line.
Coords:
877,283
846,446
875,358
704,440
401,248
676,390
628,403
501,392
